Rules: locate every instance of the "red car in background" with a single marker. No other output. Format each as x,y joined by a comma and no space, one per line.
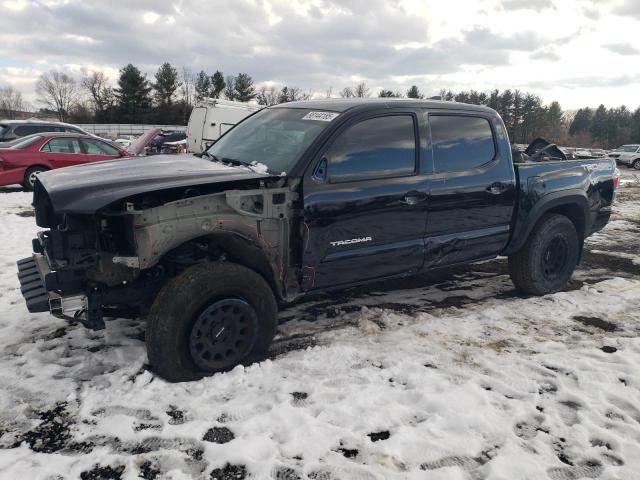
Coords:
40,152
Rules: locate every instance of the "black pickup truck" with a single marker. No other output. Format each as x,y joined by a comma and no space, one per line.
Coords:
298,198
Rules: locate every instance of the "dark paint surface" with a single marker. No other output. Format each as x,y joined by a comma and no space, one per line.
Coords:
87,188
384,227
460,216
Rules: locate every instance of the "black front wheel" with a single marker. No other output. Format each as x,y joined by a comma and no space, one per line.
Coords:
636,164
546,262
209,319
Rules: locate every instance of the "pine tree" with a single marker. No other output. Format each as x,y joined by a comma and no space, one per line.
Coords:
581,121
217,84
494,100
389,94
243,88
599,130
166,84
553,121
203,85
414,92
132,95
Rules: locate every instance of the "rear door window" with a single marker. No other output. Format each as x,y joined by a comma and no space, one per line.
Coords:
27,142
375,148
461,142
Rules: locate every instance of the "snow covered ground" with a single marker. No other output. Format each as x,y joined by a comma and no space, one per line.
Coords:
454,376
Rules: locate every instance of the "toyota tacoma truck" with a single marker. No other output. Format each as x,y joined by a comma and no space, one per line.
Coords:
302,198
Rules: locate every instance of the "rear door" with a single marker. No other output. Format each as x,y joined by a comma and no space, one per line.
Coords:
473,189
63,152
365,203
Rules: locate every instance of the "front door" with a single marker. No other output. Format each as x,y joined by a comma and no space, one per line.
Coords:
365,203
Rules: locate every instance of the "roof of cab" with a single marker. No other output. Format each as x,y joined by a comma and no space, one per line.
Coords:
344,104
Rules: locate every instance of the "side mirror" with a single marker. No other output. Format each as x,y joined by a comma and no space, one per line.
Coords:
320,172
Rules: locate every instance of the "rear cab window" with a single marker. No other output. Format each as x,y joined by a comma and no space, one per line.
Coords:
461,142
378,147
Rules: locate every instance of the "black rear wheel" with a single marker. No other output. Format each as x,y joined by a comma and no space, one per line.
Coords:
209,319
546,262
30,177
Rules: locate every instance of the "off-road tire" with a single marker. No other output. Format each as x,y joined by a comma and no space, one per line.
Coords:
27,184
636,164
528,267
183,300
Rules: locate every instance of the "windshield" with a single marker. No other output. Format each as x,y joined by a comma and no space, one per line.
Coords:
628,148
26,142
273,137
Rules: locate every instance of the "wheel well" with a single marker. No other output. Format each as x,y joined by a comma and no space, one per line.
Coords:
574,213
234,248
31,167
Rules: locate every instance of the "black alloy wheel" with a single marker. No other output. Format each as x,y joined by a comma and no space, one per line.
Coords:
222,334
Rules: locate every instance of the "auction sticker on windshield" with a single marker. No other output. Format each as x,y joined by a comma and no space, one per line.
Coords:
320,116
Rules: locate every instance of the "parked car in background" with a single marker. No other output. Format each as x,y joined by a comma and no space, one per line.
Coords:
21,163
159,143
569,152
124,142
211,118
583,154
14,129
628,155
598,153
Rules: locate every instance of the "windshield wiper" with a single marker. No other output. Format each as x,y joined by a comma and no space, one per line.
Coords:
210,155
234,161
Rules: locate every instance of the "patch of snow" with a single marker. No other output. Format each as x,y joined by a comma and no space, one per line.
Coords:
444,376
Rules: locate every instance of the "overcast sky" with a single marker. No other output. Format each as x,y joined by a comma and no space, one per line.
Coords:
579,52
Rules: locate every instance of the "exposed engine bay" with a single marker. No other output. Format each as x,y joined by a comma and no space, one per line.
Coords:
104,264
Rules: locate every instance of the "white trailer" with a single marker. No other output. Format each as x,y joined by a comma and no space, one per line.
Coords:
211,118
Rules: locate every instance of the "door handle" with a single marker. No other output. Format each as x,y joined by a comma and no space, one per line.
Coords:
414,197
496,188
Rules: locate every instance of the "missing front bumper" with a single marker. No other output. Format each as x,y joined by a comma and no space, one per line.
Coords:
32,284
32,272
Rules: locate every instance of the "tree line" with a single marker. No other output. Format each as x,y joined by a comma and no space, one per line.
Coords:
169,96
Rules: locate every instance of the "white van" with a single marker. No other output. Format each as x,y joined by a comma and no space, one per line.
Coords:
210,118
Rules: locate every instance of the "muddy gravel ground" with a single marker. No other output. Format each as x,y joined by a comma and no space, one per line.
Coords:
451,375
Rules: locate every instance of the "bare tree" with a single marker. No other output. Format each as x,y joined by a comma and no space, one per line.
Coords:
188,87
97,85
347,92
293,94
361,90
58,91
230,87
10,103
268,96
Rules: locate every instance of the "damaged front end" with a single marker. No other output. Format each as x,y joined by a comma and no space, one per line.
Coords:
112,263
